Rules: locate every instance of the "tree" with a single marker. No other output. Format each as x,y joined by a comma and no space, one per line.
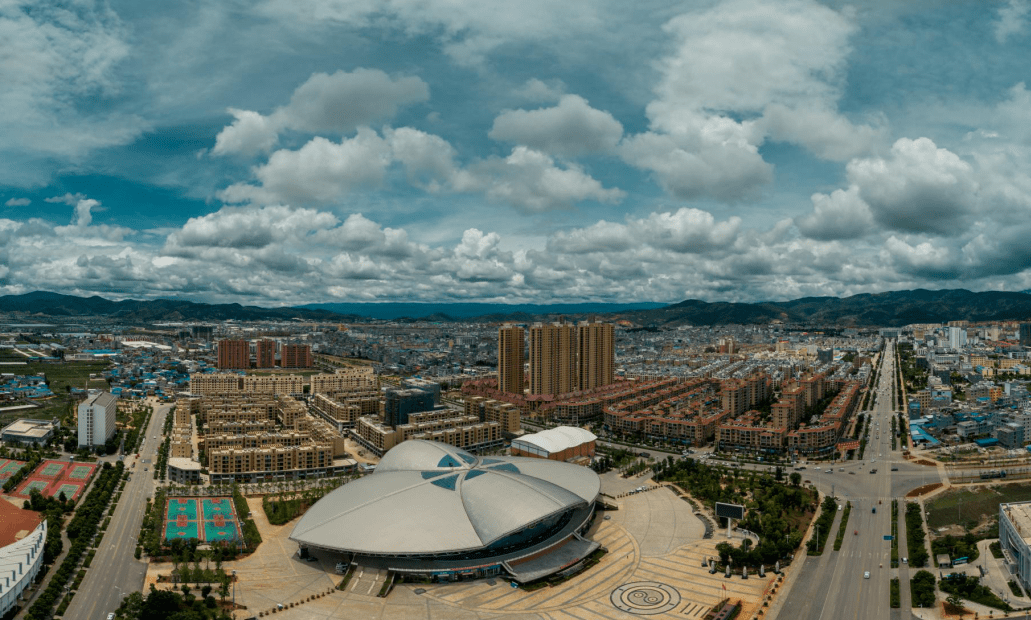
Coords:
778,473
796,478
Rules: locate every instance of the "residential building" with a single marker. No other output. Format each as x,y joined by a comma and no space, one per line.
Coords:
97,419
214,383
265,354
595,355
357,378
511,344
400,403
234,354
552,358
296,356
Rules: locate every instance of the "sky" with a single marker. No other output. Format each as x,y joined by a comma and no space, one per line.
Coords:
280,152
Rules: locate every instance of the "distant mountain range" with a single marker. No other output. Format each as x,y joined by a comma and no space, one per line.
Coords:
447,311
892,309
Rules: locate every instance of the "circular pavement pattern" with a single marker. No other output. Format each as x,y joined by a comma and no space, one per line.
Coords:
645,598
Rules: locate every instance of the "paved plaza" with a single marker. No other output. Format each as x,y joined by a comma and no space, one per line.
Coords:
653,568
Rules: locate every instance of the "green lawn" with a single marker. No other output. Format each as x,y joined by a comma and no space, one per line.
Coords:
961,506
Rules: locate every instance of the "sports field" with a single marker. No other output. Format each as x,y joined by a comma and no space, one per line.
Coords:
51,478
9,468
207,519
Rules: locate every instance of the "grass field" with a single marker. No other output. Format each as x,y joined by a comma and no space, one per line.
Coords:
962,506
62,375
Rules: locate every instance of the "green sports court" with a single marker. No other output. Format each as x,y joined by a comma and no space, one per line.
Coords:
80,472
69,490
8,468
51,469
34,485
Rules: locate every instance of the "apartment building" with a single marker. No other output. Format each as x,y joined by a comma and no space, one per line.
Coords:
296,356
358,378
595,355
343,409
505,414
265,354
463,431
511,344
552,358
234,354
229,383
273,384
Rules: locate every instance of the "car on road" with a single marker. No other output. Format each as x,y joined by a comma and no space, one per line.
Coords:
894,468
905,560
866,574
874,509
111,616
873,471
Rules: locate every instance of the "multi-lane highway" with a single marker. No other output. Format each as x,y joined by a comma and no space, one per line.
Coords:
834,586
115,572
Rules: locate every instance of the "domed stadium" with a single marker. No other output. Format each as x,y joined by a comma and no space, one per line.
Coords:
433,510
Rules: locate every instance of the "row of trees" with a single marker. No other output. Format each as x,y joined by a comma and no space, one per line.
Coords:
171,605
776,512
915,535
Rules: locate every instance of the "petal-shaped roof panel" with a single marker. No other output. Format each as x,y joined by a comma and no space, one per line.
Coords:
434,498
423,456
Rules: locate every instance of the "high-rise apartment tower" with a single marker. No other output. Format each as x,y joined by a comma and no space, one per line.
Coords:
595,355
510,359
234,354
552,358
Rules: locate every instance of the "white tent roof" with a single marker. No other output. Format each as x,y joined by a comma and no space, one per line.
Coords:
557,439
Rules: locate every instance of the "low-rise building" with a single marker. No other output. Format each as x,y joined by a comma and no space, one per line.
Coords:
23,534
25,431
562,443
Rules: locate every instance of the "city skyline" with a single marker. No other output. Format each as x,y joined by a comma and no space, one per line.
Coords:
531,153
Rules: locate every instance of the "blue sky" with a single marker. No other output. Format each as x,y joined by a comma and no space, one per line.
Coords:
295,151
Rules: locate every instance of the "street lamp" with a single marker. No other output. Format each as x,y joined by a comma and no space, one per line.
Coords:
234,590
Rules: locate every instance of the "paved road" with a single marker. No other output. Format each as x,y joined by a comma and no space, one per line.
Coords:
833,586
114,571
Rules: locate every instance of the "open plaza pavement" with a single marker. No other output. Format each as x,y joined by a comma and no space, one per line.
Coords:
655,548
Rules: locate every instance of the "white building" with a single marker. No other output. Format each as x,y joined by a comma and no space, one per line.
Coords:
97,419
1014,536
19,565
957,338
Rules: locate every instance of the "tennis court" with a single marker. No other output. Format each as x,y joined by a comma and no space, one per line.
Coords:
51,478
69,490
51,469
34,485
80,472
9,468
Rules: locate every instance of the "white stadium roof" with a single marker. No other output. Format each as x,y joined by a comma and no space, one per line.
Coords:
557,439
428,497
